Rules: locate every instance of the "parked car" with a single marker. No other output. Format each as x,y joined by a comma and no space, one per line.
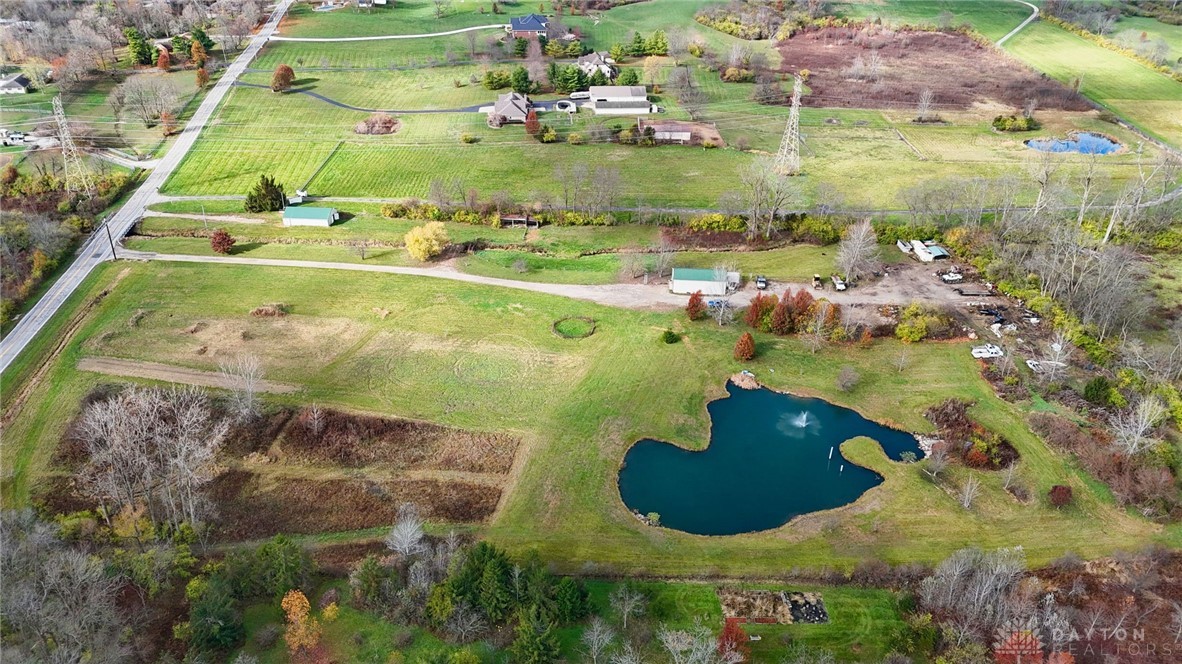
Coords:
987,351
761,282
580,95
817,282
952,277
564,106
838,282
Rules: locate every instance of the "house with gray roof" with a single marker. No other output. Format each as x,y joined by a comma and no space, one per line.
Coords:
510,107
598,61
620,100
16,84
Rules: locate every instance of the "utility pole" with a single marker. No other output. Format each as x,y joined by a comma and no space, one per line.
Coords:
110,240
77,174
788,157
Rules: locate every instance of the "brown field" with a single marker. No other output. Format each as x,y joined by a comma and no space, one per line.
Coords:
359,440
250,508
960,71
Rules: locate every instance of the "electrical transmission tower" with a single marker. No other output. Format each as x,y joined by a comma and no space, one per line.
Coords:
788,158
77,175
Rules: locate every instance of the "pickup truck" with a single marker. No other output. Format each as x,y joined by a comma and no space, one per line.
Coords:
761,282
817,282
838,283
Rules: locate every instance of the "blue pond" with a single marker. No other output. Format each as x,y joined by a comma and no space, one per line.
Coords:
1081,142
768,461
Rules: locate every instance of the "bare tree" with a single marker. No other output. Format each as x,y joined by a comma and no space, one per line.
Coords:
406,537
242,375
857,254
1132,428
902,360
442,8
969,491
535,62
1089,180
927,102
767,194
465,624
936,462
627,603
315,418
724,311
814,336
627,655
1054,364
1011,473
148,96
597,638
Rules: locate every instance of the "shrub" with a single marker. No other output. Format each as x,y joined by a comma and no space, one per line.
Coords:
221,242
548,135
745,347
393,210
717,222
818,230
377,124
467,138
695,309
1015,123
1060,495
427,241
848,378
1096,390
575,139
282,78
670,337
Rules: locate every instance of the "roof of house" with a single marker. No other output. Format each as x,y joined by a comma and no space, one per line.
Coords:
637,91
529,23
695,274
511,105
15,80
938,251
309,212
594,58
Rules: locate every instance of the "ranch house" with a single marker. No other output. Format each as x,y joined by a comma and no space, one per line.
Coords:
689,280
17,84
530,26
620,100
301,215
510,107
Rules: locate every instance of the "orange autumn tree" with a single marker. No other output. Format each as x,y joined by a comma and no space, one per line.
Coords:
733,641
745,348
303,631
696,308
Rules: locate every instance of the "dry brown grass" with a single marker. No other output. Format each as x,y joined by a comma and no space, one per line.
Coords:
359,440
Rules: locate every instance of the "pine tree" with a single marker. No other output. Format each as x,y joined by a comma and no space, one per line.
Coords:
638,47
571,600
695,309
535,642
618,52
657,44
745,348
519,81
532,126
197,53
495,598
782,322
267,196
138,47
629,76
598,78
200,37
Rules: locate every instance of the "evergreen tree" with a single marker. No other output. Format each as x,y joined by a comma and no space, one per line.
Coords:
571,600
745,348
598,78
280,565
618,52
638,47
138,47
366,581
267,196
782,319
519,81
535,642
495,596
554,49
657,44
695,309
182,46
520,47
629,76
215,623
200,37
574,49
198,54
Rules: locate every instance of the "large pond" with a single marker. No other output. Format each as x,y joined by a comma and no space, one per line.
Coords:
771,457
1082,142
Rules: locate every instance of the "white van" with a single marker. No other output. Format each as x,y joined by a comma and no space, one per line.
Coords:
586,94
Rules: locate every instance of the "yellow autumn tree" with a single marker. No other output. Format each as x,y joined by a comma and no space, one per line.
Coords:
303,631
427,241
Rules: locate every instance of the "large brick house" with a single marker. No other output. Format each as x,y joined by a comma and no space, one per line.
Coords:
528,26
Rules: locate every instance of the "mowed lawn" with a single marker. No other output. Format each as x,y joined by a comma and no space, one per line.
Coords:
992,18
403,17
485,358
1147,98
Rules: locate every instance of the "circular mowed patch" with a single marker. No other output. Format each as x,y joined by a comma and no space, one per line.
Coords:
574,327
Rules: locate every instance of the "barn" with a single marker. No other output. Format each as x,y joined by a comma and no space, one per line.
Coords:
302,215
689,280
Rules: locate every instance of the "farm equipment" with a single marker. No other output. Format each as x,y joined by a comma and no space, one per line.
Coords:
817,282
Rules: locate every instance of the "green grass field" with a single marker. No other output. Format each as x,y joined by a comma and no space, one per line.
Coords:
992,18
403,17
442,349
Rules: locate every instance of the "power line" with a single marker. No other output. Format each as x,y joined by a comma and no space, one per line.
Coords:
77,174
788,158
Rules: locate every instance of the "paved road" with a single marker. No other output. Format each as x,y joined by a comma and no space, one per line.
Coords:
95,250
381,37
1023,24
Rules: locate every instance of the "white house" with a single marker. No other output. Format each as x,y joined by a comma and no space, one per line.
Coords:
688,280
620,100
16,84
598,61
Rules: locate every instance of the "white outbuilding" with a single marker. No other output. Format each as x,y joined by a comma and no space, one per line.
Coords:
689,280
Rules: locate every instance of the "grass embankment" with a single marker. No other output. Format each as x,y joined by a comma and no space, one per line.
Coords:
485,359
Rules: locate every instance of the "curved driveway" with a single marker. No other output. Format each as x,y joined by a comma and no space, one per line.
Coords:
328,100
1023,24
501,26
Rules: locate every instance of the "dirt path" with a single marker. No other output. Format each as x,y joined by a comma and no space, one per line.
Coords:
172,374
209,217
1023,24
906,283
